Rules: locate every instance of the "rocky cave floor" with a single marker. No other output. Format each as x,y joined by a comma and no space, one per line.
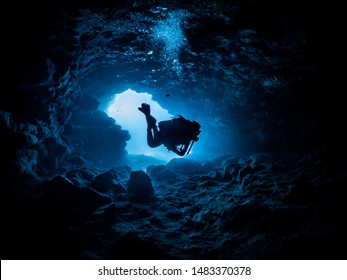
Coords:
255,207
267,73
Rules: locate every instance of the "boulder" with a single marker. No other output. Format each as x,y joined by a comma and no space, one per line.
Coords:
107,183
140,185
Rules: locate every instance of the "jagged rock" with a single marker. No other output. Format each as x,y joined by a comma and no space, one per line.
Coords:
81,177
122,172
255,83
61,194
107,183
243,172
95,136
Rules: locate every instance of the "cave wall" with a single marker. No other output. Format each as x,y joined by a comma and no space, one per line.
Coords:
252,73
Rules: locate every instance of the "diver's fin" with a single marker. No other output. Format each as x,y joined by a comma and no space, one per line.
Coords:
145,108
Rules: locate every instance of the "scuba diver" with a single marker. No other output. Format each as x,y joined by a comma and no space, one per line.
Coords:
177,135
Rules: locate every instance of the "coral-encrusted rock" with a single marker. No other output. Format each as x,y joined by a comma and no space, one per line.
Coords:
140,185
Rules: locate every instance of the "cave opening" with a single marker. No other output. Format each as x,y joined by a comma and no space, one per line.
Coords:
123,107
264,181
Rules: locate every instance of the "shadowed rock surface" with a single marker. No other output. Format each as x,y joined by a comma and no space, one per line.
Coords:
267,178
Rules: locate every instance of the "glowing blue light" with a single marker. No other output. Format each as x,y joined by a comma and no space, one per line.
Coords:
124,109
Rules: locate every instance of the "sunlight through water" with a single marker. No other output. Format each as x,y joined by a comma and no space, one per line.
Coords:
124,109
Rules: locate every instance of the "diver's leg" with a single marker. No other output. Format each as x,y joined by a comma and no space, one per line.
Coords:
151,121
152,138
152,129
145,108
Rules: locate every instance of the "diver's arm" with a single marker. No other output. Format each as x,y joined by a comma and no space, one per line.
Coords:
181,150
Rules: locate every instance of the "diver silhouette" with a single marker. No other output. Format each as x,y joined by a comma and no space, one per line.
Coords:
177,135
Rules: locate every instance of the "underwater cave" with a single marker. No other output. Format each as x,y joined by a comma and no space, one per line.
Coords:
266,178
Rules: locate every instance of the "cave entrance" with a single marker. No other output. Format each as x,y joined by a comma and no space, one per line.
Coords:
124,109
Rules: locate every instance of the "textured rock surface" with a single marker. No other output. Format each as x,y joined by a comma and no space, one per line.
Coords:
267,176
139,184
